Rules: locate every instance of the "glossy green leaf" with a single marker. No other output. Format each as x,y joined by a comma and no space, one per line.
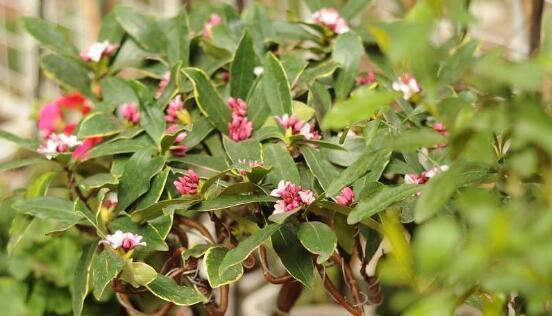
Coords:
276,86
348,51
227,201
155,190
98,180
142,28
200,130
81,278
211,163
157,209
294,257
318,238
283,166
11,165
380,201
248,150
257,107
245,247
122,146
166,289
50,35
241,70
117,92
69,73
353,8
211,262
99,125
105,267
135,181
138,273
413,139
111,30
195,251
50,208
26,143
322,169
362,104
209,100
178,39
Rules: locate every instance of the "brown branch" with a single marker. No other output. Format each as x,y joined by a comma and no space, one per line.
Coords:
132,311
287,297
334,293
214,309
175,256
535,25
118,288
349,278
269,276
182,237
197,226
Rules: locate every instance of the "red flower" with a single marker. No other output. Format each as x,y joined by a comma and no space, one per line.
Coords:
53,117
87,144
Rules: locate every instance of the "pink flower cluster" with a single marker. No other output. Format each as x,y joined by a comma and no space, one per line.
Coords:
188,184
240,128
96,51
330,18
213,20
58,143
347,197
291,197
365,79
163,84
298,127
424,177
130,112
408,85
174,110
125,241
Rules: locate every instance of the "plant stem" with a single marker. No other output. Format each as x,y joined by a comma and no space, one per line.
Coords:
289,293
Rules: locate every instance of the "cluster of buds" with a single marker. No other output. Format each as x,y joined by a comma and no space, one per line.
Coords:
330,18
292,197
163,84
407,85
176,113
130,112
125,241
214,19
424,177
346,198
96,51
58,143
366,79
239,128
295,126
188,184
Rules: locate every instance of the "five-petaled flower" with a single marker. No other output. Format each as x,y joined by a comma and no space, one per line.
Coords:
58,143
130,112
96,51
291,197
187,184
330,18
346,198
408,85
126,241
213,20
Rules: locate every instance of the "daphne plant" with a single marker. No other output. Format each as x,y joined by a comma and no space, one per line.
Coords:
279,144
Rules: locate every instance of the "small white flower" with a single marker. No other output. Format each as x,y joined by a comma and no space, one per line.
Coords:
306,131
282,185
406,84
435,171
58,143
96,51
258,70
125,241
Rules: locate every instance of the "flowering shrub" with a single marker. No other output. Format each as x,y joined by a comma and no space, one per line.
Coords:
274,141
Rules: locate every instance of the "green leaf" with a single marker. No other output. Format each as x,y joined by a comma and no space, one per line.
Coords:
380,201
209,100
241,70
138,273
98,180
195,252
367,161
154,241
81,278
318,238
50,208
353,8
227,201
322,169
99,125
26,143
348,51
201,129
166,289
135,181
248,150
211,163
105,267
362,104
436,193
153,121
414,139
122,146
276,86
178,35
10,165
324,69
50,35
155,210
142,28
68,73
283,166
257,107
245,247
213,259
155,190
294,257
117,91
110,29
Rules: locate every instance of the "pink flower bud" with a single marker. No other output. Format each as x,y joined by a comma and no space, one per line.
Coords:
237,106
213,20
347,197
130,112
163,84
365,79
441,129
96,51
188,184
125,241
240,128
330,18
